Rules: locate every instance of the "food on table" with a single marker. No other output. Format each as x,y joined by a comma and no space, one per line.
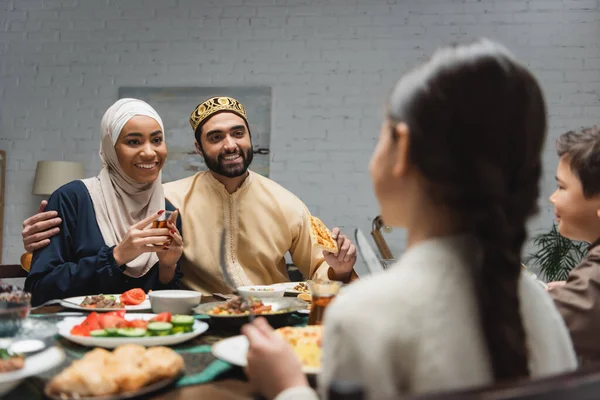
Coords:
14,305
302,287
12,294
306,342
237,306
10,361
114,324
133,297
321,236
305,297
128,368
101,301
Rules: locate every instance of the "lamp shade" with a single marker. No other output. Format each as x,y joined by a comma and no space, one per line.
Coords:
50,175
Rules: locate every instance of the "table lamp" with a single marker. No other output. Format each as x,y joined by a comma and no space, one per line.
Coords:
50,175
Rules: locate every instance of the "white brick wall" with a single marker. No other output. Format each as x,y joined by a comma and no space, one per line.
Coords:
330,64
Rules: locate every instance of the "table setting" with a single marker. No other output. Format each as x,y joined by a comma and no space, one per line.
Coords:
67,331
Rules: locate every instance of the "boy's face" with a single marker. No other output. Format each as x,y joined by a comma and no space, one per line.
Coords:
578,217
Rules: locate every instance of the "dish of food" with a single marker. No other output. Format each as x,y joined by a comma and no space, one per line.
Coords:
293,287
128,371
10,361
236,308
302,287
308,298
33,365
113,329
131,300
101,301
12,294
306,342
321,236
15,305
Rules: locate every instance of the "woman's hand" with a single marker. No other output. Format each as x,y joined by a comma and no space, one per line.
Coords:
171,253
139,240
272,364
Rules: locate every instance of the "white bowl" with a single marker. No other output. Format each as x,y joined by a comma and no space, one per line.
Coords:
174,301
261,291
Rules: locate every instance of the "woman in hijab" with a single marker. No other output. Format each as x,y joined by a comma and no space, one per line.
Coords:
106,243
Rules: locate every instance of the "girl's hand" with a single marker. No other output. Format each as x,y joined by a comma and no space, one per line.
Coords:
272,364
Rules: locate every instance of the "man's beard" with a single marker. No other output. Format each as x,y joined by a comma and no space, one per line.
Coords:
230,171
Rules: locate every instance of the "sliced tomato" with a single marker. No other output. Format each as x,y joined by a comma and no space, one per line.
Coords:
118,313
162,317
78,330
91,323
110,320
133,297
137,323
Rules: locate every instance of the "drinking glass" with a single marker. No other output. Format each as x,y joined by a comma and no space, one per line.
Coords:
161,222
322,292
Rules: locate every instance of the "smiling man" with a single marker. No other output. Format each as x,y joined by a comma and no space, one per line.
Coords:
263,221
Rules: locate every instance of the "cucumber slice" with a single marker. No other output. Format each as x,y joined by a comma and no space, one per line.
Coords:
111,331
159,328
99,333
131,332
182,320
181,329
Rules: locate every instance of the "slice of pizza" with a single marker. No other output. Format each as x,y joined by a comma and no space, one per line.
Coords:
321,236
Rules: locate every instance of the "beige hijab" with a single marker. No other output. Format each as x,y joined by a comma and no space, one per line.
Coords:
118,200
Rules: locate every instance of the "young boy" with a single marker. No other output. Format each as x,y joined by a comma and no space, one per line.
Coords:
577,207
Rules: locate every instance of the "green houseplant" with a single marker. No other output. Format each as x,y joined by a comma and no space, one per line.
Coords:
556,255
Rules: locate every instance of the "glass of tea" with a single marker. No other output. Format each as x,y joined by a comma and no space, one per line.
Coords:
322,292
161,222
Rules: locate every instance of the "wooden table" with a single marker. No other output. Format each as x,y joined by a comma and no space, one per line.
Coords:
231,386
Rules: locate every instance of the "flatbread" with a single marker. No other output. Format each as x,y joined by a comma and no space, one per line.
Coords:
321,236
305,297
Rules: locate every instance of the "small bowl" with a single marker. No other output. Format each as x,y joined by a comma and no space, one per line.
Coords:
14,309
174,301
260,291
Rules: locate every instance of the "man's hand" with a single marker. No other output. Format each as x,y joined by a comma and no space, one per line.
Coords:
343,261
38,229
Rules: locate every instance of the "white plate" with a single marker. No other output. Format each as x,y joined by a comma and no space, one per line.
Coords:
74,303
289,287
233,350
64,329
34,365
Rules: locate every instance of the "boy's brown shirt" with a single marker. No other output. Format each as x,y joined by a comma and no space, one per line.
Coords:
578,301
